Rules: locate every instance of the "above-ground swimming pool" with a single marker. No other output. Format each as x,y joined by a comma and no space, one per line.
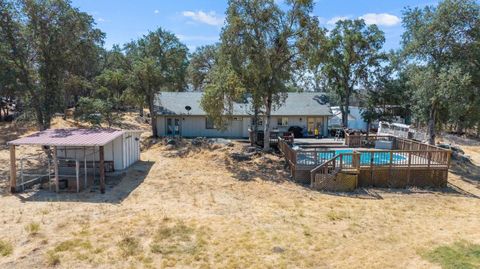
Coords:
365,157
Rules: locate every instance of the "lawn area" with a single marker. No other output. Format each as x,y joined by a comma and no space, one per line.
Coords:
197,207
458,255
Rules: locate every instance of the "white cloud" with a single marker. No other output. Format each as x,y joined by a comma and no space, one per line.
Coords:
156,11
203,38
100,20
334,20
209,18
381,19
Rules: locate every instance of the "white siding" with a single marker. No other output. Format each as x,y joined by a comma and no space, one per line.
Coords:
161,125
131,148
195,126
246,125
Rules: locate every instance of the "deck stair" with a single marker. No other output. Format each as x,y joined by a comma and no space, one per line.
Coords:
336,174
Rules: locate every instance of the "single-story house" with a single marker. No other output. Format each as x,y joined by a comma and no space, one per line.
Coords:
77,156
355,119
180,114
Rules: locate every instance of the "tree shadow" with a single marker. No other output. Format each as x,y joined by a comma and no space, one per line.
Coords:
375,193
118,188
467,171
10,131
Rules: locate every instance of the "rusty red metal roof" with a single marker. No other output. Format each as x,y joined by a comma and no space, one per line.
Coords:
70,137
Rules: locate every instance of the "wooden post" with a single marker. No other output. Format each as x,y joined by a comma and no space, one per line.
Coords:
77,174
391,159
55,168
408,166
85,166
102,169
449,158
13,170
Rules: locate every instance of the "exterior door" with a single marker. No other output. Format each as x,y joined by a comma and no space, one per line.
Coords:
174,126
315,123
310,126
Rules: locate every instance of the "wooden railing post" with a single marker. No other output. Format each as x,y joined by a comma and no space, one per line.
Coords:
341,161
13,170
449,157
429,158
102,169
391,158
408,166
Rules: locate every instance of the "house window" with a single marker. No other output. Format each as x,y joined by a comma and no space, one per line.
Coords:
282,121
209,124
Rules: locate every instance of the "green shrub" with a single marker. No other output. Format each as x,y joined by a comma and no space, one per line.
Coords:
5,248
96,111
32,228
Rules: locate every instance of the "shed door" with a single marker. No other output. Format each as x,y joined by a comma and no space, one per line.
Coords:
131,145
127,146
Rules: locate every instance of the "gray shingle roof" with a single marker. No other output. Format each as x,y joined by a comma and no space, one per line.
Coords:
296,104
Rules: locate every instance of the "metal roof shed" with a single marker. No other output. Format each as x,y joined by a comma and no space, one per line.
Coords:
81,145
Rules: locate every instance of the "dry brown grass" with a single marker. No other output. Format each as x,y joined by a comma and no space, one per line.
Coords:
204,210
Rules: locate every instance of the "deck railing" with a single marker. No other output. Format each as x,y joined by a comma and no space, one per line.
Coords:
258,137
289,154
314,157
359,140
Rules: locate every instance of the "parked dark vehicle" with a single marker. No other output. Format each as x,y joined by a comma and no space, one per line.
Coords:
297,131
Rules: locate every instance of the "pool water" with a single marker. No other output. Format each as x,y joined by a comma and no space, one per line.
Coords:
365,157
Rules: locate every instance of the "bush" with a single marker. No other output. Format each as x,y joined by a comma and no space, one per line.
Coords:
5,248
129,246
96,111
32,228
52,258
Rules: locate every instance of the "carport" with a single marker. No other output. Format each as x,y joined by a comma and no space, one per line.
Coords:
75,157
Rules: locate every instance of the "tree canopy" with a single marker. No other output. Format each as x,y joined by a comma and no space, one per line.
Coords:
442,43
259,45
52,59
348,59
50,45
159,62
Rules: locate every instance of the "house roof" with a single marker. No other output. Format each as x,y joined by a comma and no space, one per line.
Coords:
73,137
296,104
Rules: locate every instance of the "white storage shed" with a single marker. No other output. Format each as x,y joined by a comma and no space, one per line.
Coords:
86,152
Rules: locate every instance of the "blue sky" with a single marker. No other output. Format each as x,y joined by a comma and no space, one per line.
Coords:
198,22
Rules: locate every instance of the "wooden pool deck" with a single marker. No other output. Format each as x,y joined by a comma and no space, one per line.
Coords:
410,163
